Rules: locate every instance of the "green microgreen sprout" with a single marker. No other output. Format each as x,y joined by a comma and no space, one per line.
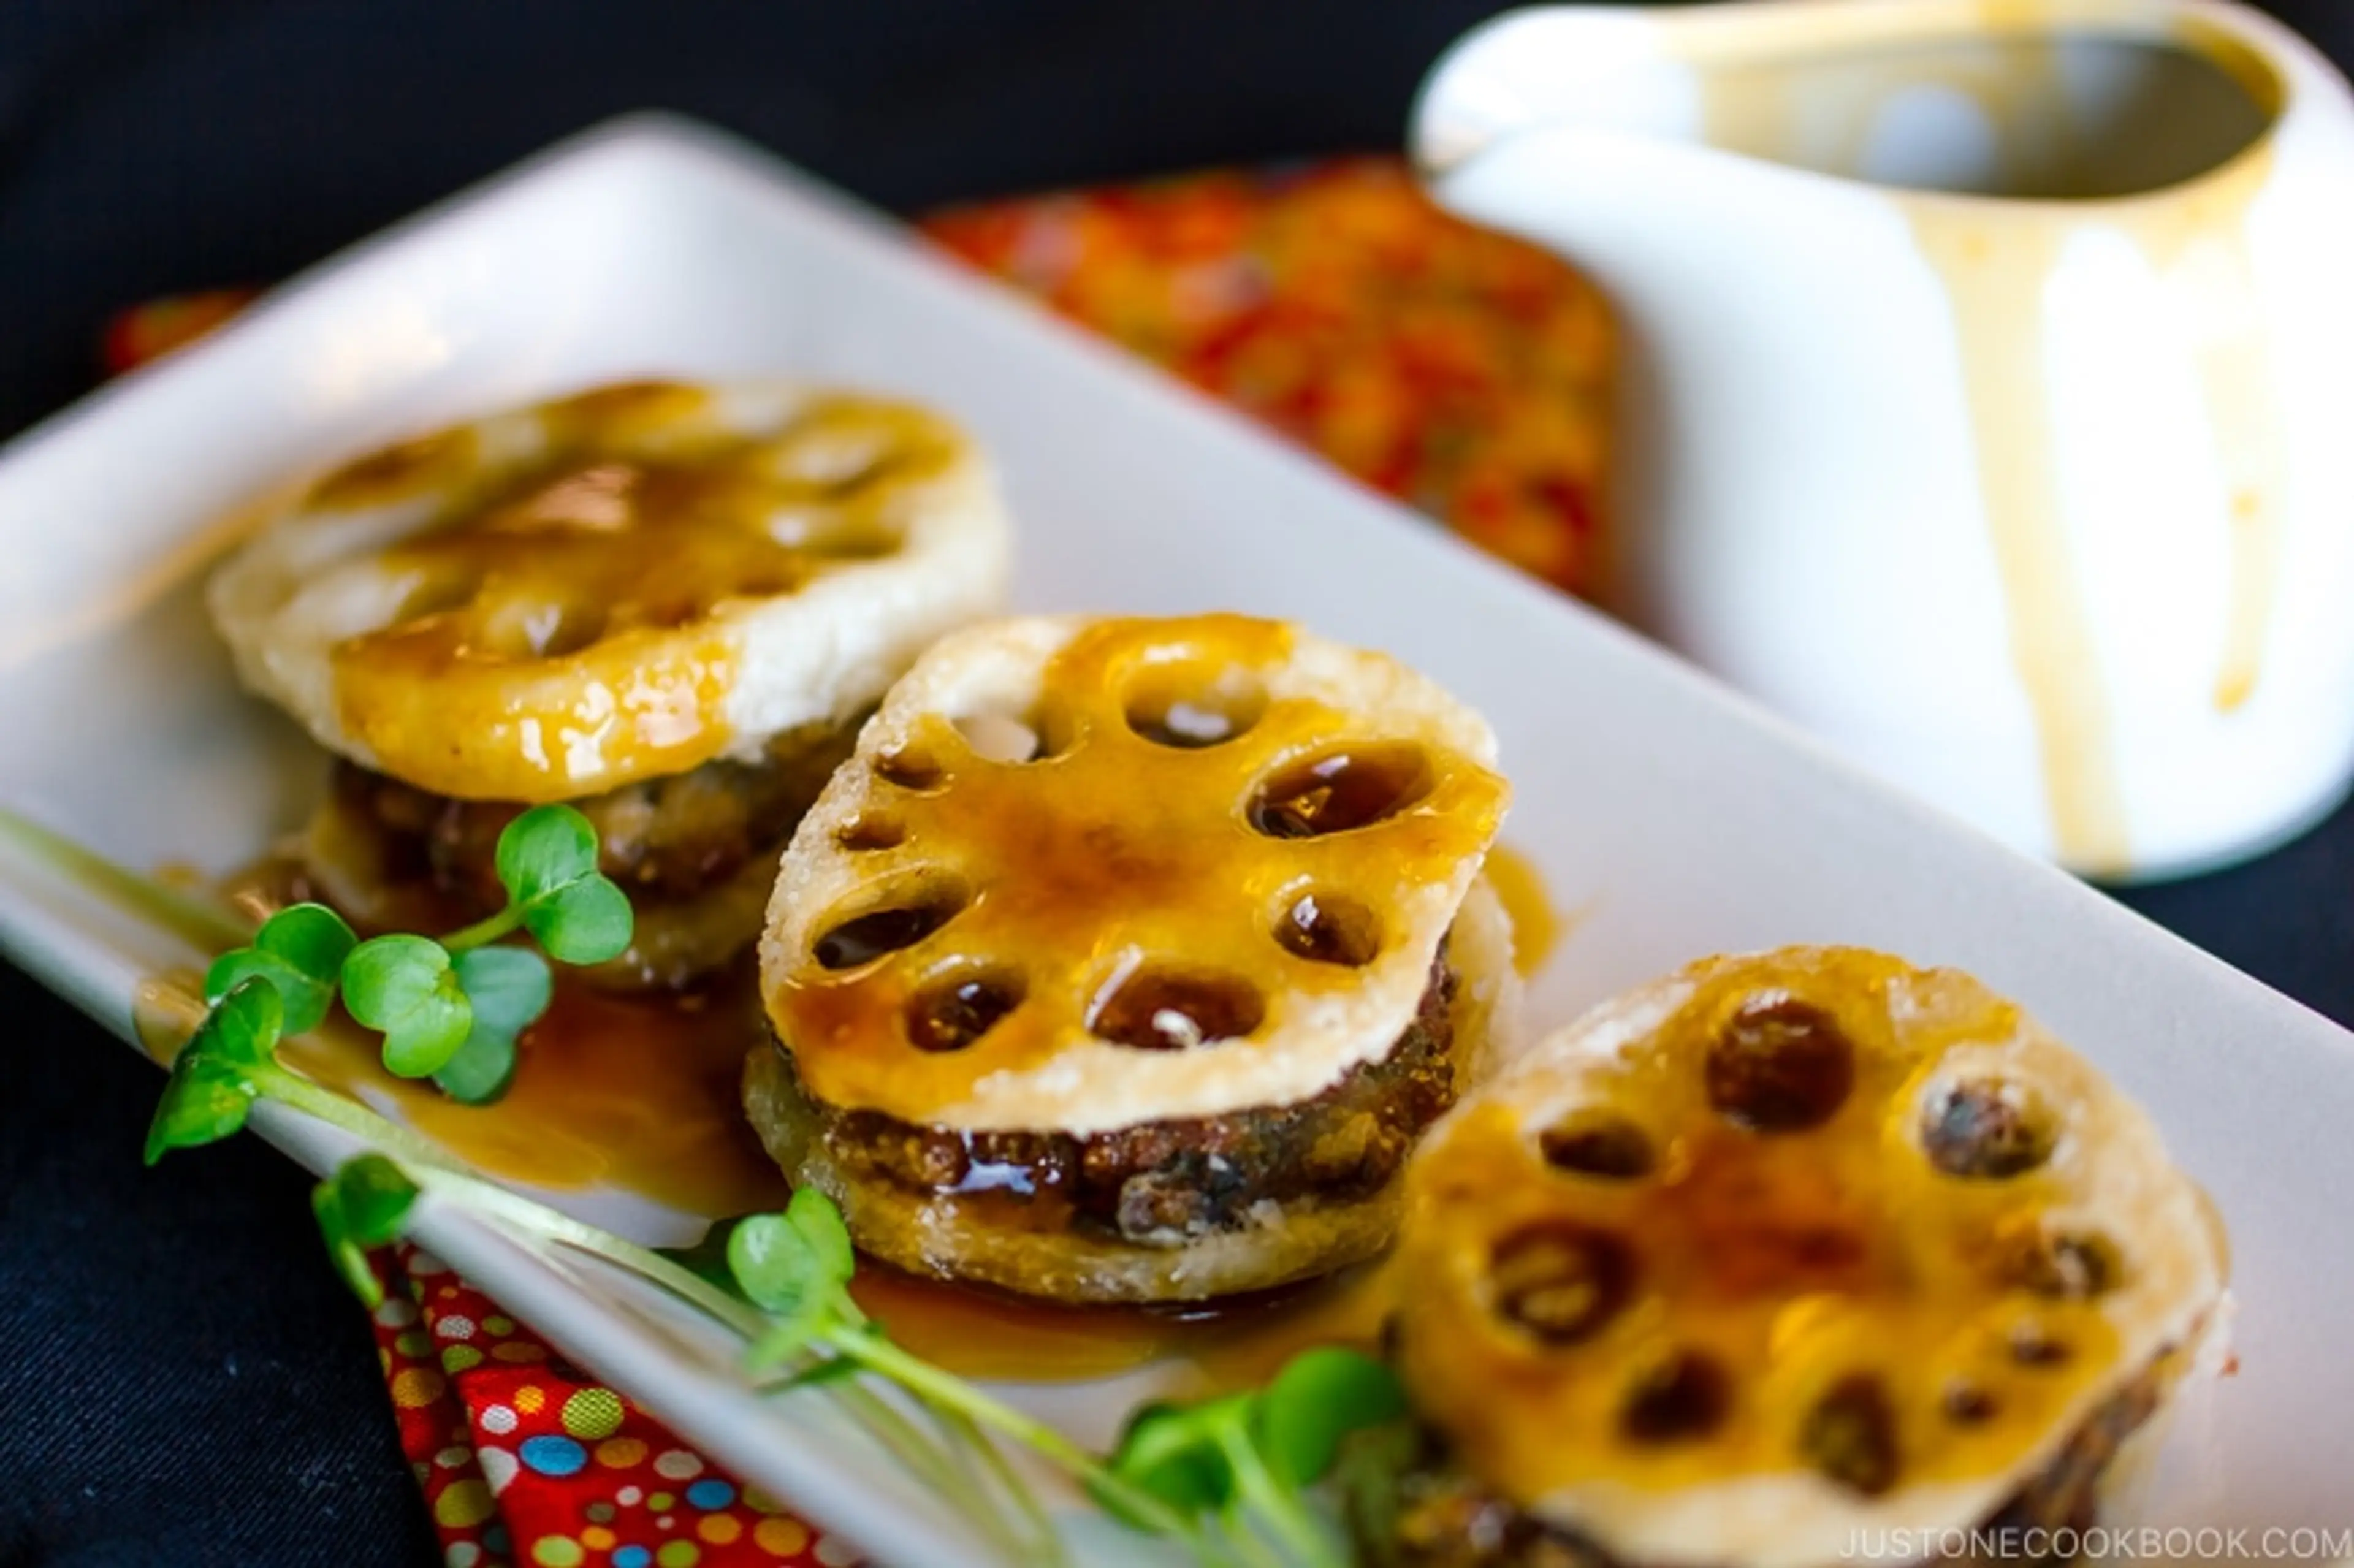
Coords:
299,951
363,1205
212,1087
451,1009
1230,1480
1241,1466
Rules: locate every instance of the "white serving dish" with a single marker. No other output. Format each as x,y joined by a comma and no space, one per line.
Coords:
1672,819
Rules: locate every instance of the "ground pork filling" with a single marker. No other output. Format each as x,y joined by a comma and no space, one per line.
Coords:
1446,1520
697,852
1164,1183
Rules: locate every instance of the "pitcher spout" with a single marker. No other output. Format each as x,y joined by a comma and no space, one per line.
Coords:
2025,98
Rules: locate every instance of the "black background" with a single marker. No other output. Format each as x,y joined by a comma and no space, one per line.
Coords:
181,1380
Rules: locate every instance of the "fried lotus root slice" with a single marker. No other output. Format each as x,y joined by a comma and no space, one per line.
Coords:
1083,874
559,600
1791,1246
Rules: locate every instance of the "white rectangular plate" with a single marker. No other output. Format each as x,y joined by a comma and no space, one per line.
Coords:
1674,821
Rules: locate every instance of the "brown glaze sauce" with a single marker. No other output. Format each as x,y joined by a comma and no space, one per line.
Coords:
1538,926
642,1093
1115,857
564,625
1235,1343
1783,1255
629,1092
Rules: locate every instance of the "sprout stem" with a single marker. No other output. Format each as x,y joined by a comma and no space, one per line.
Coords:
200,923
490,928
1302,1538
935,1387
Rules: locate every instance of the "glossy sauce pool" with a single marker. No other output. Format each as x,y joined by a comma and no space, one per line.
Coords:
642,1093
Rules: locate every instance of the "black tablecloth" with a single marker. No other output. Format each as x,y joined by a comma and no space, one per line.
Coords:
181,1380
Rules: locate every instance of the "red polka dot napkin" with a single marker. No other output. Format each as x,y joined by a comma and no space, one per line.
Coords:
1460,371
525,1459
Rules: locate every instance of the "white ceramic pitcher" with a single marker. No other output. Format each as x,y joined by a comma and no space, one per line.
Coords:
1988,389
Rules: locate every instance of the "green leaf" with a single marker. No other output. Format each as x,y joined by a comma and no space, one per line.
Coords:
376,1197
405,988
814,1215
586,923
205,1100
1171,1452
546,860
1320,1396
301,950
773,1263
311,937
546,849
362,1205
508,989
796,1261
483,1070
305,1000
210,1090
243,1027
508,986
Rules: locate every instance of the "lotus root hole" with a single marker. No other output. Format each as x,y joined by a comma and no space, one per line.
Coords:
1780,1066
1163,1008
2072,1267
2033,1345
957,1010
1329,928
541,629
1682,1400
1002,735
438,595
1191,706
871,830
1849,1436
1340,790
915,771
1561,1282
834,536
890,925
1987,1129
1598,1143
1967,1404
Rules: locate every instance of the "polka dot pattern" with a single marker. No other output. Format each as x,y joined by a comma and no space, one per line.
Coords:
413,1388
500,1468
592,1413
552,1455
526,1463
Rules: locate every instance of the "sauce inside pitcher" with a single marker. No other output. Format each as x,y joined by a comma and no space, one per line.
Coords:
2042,164
2014,110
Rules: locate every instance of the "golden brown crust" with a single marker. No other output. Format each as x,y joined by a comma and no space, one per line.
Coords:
948,1237
1787,1247
1178,868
